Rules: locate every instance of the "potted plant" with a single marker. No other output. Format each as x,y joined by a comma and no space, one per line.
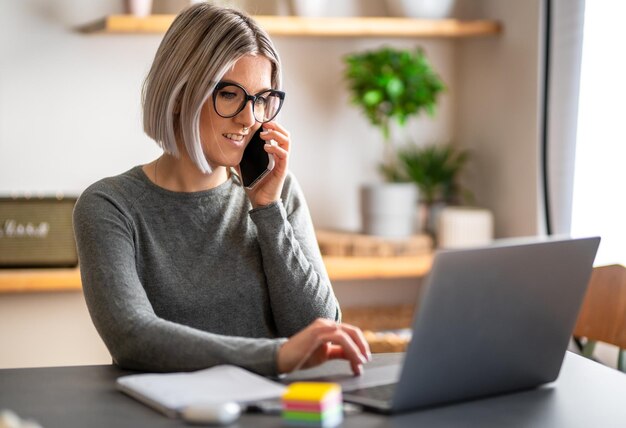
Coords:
435,170
391,86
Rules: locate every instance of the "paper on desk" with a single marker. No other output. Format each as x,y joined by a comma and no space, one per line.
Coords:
171,392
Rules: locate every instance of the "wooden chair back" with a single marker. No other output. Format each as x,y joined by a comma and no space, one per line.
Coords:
603,314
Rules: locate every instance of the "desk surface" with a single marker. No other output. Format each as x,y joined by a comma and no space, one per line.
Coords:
586,394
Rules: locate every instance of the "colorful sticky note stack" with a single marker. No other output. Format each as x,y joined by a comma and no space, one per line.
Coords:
314,404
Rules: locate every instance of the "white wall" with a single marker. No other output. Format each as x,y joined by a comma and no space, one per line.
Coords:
498,116
69,103
48,329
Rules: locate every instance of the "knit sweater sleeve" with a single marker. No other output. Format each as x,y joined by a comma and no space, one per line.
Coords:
299,288
122,313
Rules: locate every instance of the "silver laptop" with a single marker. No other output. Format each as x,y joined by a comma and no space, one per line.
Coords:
491,320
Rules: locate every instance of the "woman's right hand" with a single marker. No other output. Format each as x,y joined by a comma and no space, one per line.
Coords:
324,340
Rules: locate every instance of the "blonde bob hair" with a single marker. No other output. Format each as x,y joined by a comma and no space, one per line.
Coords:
201,45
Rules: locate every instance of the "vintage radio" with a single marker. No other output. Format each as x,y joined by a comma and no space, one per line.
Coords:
37,232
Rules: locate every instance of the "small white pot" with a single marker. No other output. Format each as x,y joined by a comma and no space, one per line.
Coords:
389,209
427,9
310,8
462,227
139,8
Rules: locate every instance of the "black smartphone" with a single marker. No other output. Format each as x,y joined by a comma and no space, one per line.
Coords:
256,162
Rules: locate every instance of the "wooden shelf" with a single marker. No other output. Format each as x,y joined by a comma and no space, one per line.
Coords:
339,268
316,27
38,280
350,268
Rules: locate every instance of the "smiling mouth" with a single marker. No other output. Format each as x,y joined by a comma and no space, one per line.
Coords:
234,137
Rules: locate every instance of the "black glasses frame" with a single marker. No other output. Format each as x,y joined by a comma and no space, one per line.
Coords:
248,97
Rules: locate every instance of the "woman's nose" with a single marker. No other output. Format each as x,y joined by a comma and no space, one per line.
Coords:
246,116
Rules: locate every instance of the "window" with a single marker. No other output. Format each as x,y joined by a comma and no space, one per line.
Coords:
599,198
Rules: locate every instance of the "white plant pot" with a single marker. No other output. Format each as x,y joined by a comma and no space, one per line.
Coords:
462,227
427,9
389,209
139,8
311,8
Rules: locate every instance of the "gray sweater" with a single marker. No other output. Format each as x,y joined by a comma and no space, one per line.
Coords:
182,281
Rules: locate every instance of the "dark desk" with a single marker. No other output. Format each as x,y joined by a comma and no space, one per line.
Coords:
585,395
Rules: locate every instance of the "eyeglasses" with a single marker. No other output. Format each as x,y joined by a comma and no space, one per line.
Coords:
229,99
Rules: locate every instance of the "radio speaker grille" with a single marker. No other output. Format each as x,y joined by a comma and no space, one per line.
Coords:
37,232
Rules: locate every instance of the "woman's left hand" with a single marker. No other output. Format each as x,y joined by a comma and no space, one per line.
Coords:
324,340
277,144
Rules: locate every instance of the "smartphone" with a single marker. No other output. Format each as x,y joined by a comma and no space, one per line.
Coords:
256,162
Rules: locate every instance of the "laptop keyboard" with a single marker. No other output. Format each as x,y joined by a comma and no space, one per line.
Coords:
380,392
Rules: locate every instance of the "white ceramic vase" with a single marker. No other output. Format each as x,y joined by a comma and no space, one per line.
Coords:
426,9
389,209
139,8
462,227
310,8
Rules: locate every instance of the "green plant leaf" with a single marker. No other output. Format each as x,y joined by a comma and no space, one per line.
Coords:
372,98
392,85
395,87
435,170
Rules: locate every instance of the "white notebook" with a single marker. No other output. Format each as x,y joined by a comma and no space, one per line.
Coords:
170,393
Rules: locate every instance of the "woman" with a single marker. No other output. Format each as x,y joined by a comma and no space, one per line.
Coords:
182,267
